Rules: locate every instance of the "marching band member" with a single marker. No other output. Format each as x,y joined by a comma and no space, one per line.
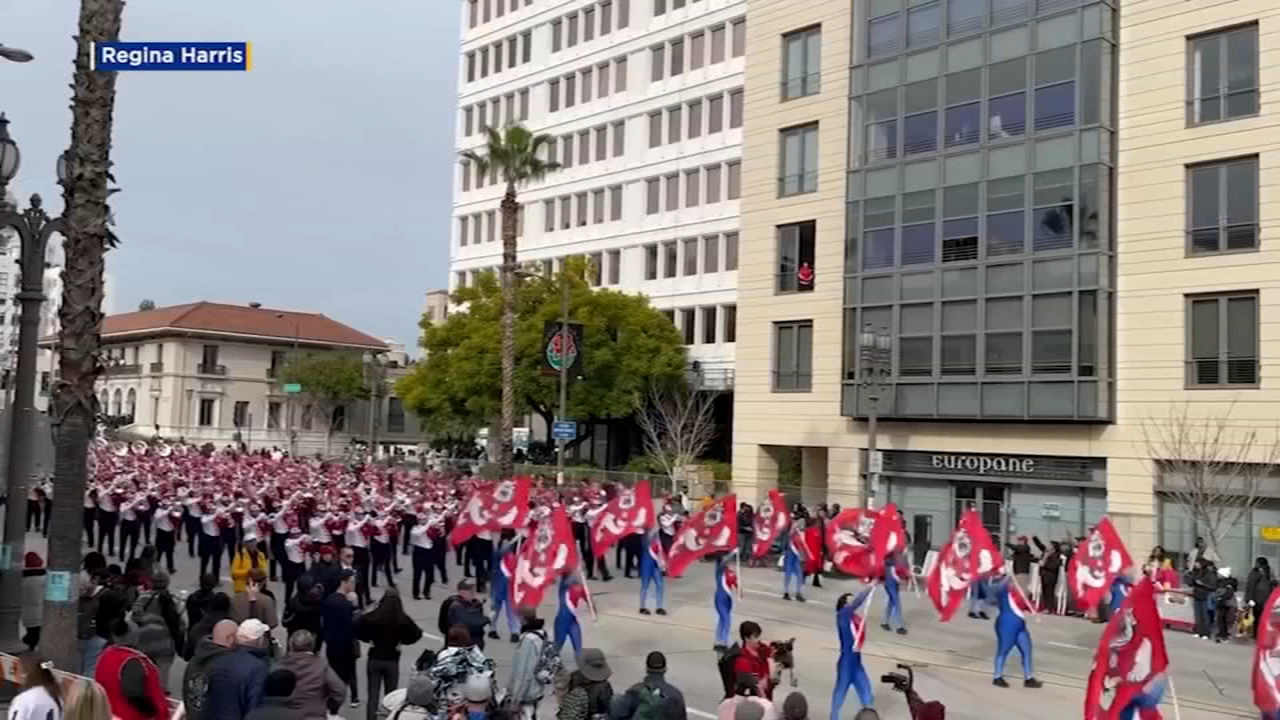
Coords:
146,510
279,533
850,672
129,527
437,532
504,570
595,507
382,548
318,527
423,563
479,552
230,527
1011,632
296,548
653,561
794,556
893,565
572,596
210,537
726,588
668,524
108,518
90,511
166,522
190,519
359,529
576,508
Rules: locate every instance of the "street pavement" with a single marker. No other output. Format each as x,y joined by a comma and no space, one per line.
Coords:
952,661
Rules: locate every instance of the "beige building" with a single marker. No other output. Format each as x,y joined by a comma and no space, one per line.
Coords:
208,372
1059,248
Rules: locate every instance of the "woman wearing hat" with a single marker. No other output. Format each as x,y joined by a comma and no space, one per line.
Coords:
590,693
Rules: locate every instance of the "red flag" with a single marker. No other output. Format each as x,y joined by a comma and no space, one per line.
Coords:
813,544
969,555
849,542
493,507
1096,563
772,519
630,511
888,535
550,553
712,530
1131,661
1266,658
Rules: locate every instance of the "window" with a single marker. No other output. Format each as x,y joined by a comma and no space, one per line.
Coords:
548,215
619,138
655,129
694,112
739,37
477,229
793,356
580,200
474,15
1222,206
602,143
555,36
526,47
924,25
650,262
570,90
606,18
801,63
697,50
206,411
524,104
672,188
688,318
652,196
597,206
1223,334
460,279
208,358
596,261
466,176
735,109
273,416
730,251
624,13
715,114
717,44
466,121
796,256
484,62
240,414
1055,96
709,325
588,84
689,246
471,67
730,323
490,225
883,35
588,24
692,186
655,62
659,7
677,57
615,202
620,75
735,180
713,184
1007,109
584,147
711,254
615,266
395,415
553,95
571,34
565,212
799,163
1223,68
566,151
669,259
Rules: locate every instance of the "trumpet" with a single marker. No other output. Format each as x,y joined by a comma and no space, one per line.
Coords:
164,450
138,447
100,443
119,449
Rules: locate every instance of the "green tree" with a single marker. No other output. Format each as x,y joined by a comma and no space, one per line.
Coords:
146,305
330,382
513,153
628,348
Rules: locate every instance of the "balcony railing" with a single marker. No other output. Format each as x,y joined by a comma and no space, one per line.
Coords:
130,369
204,369
711,379
157,367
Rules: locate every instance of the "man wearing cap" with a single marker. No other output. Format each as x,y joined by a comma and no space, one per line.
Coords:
653,689
236,678
467,610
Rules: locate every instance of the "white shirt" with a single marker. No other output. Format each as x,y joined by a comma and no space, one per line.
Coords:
89,503
209,524
319,533
418,537
578,512
128,511
105,503
34,704
293,548
278,525
383,536
355,538
162,521
668,522
249,524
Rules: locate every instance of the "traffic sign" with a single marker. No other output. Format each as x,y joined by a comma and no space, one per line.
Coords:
292,388
566,430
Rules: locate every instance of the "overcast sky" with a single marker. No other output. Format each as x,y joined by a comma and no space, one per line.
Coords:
319,180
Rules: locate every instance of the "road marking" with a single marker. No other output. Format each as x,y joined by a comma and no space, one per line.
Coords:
701,713
1068,645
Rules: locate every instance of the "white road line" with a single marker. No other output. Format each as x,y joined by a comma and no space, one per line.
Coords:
1068,645
701,713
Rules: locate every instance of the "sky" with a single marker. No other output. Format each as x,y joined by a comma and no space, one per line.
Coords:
320,180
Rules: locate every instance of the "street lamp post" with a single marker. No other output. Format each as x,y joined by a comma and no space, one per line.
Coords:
563,411
875,364
34,228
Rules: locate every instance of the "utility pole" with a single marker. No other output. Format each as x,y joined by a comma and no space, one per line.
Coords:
564,371
875,356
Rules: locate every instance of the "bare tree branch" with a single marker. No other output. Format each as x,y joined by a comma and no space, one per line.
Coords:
1213,467
678,424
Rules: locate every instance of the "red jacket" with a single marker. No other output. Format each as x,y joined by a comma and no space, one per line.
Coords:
110,674
756,662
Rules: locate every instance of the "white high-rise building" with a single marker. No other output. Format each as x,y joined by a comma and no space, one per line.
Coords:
645,101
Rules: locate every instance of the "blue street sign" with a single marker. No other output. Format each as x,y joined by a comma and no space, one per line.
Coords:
566,430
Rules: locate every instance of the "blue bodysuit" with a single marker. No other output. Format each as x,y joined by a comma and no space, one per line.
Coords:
893,601
567,626
652,560
500,587
726,584
793,557
849,668
1011,628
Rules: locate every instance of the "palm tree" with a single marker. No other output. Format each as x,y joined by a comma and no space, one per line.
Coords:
514,155
88,236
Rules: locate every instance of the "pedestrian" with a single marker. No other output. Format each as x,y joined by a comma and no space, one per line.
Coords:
130,680
161,630
112,606
319,691
39,693
755,658
219,608
453,665
1225,608
386,628
88,640
254,601
325,571
1021,557
653,698
33,579
277,687
1050,571
195,678
530,673
746,702
338,621
1257,590
90,703
246,560
590,693
198,601
467,610
304,608
236,679
796,706
1204,582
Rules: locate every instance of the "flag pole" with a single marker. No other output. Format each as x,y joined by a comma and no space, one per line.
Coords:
1035,613
866,612
591,603
737,559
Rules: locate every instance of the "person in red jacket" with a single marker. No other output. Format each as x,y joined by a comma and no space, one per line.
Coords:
755,658
129,678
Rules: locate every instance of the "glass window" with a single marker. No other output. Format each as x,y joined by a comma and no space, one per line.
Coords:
1006,233
883,35
650,262
713,183
959,354
711,254
659,7
1224,339
672,185
689,248
1003,353
692,187
553,96
717,44
920,133
570,90
697,50
1055,106
924,25
1053,221
675,124
606,17
960,240
1223,75
715,114
709,325
620,75
796,256
735,109
597,206
1051,352
669,251
602,80
801,63
918,244
792,358
624,13
677,57
687,327
652,196
655,129
580,201
555,35
733,181
1222,202
964,16
615,203
730,313
619,138
730,251
878,249
1005,11
656,56
588,24
695,119
584,147
1007,116
739,41
602,143
571,30
915,356
799,171
588,84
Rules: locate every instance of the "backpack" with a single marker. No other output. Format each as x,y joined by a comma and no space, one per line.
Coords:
549,663
87,616
727,674
443,621
649,702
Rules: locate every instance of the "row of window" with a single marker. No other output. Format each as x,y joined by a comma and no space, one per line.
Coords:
696,191
562,149
582,86
706,325
593,19
681,257
579,209
482,11
496,112
506,53
687,120
669,59
485,227
927,24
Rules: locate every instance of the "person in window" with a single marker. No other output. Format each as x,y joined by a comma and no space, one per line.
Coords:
804,276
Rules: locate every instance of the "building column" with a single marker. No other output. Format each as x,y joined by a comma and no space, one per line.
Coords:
844,476
813,473
755,472
1131,503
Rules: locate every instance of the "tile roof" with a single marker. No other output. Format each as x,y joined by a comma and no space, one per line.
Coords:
240,320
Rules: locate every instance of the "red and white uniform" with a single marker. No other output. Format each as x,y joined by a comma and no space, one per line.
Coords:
296,547
129,509
319,533
279,524
419,537
209,524
106,503
163,519
355,534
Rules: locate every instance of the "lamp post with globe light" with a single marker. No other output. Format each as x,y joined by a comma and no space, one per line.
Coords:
34,228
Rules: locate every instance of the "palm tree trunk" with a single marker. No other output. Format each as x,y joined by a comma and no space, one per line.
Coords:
510,210
75,406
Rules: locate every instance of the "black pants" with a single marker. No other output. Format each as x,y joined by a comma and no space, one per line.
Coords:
276,555
192,524
382,555
129,533
230,542
34,509
90,514
343,662
584,546
145,518
48,513
165,542
382,677
479,552
362,574
107,530
423,569
210,554
439,558
667,541
1224,618
460,558
406,524
631,548
291,571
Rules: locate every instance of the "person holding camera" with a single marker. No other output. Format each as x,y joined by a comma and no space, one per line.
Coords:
850,672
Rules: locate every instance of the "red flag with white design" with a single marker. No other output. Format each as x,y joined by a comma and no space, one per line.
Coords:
772,519
493,508
630,511
969,555
550,553
710,531
1266,658
849,542
1131,661
888,535
1097,561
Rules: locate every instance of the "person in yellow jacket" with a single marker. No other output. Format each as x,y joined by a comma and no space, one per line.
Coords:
248,559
